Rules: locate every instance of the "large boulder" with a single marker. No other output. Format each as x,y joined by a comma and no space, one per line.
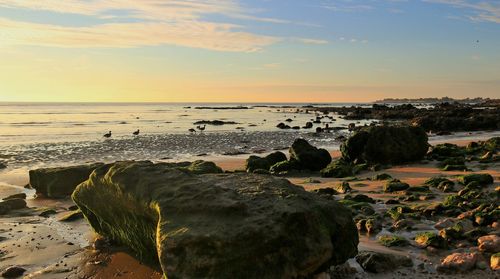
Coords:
264,163
309,157
216,225
386,145
60,182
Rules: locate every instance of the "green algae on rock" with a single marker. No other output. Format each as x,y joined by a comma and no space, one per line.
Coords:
211,225
60,182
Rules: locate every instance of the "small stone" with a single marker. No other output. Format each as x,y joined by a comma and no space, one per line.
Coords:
461,262
489,243
13,272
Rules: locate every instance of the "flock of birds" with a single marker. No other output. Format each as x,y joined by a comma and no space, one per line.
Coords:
136,133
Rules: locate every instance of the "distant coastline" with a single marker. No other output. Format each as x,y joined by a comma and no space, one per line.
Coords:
436,100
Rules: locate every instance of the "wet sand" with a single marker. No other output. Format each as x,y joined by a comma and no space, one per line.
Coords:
48,248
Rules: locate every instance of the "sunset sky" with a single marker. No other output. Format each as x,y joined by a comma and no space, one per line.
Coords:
248,50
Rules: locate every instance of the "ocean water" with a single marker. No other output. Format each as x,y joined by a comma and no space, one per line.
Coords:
41,134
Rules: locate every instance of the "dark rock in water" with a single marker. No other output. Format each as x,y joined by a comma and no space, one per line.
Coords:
16,196
395,185
386,145
309,157
3,165
481,178
283,126
12,204
378,262
338,169
265,163
209,226
60,182
308,125
13,272
214,122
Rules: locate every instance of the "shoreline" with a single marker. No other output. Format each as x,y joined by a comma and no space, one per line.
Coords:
69,254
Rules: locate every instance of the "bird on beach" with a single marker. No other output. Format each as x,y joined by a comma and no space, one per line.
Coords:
201,128
108,135
136,133
192,130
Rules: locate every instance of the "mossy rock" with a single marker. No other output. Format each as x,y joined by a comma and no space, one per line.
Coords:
337,169
481,178
283,166
398,212
432,239
379,262
265,163
454,168
343,187
359,198
60,182
308,157
382,176
435,181
446,150
395,185
418,189
210,225
392,240
386,145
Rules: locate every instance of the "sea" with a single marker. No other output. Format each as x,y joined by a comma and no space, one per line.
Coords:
54,134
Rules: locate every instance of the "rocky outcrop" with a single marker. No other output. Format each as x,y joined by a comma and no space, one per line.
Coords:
60,182
386,145
379,262
216,225
264,163
309,157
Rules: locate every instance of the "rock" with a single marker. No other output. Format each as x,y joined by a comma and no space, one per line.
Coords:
489,243
495,261
72,216
12,204
458,262
360,198
202,167
60,182
283,166
195,225
13,272
392,240
426,239
47,212
378,262
386,145
338,169
395,185
481,178
382,176
343,187
435,181
16,196
446,150
308,125
256,162
309,157
326,191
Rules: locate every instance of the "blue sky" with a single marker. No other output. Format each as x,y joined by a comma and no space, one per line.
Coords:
261,50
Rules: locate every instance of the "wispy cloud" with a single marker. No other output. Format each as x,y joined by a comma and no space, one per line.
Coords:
480,10
177,22
310,41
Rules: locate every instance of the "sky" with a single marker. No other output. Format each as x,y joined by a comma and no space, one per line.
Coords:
248,50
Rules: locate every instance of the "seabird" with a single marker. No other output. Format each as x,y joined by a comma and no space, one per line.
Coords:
108,135
192,130
136,133
201,128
